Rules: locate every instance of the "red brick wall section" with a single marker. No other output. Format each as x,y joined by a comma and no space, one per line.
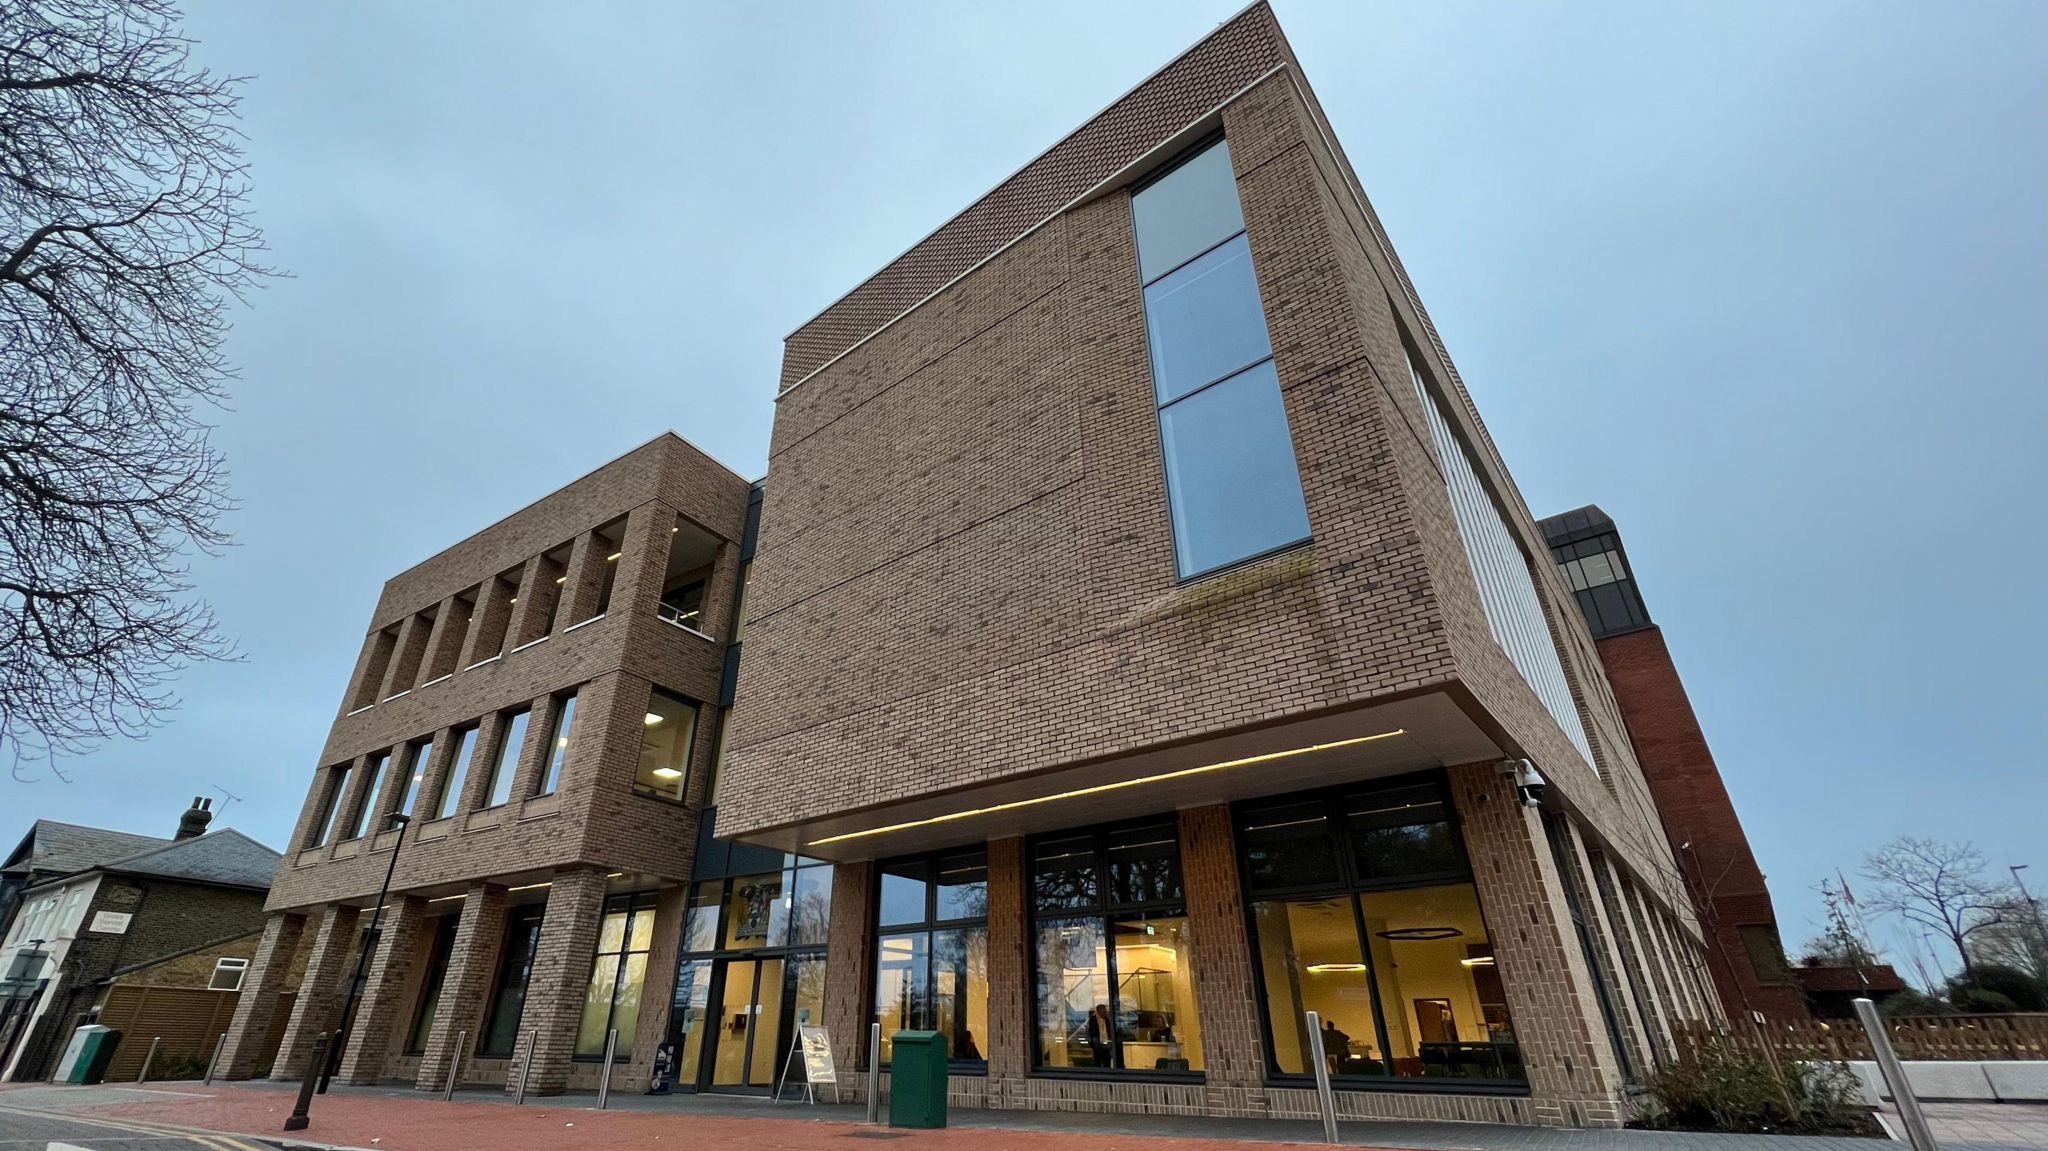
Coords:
1233,1049
1728,887
561,972
1572,1075
385,1004
466,986
318,1006
269,975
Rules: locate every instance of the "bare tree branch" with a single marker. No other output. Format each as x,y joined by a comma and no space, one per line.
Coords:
124,235
1939,886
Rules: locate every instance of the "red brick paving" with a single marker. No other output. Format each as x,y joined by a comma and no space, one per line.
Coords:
399,1124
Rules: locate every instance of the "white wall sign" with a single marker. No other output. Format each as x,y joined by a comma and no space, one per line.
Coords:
110,922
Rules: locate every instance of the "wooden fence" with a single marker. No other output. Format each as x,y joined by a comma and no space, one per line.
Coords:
1969,1038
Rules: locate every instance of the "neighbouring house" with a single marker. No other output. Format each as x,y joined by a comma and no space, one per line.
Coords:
84,918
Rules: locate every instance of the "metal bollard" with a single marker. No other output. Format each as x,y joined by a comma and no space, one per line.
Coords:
455,1066
1895,1077
525,1069
1326,1101
297,1120
874,1073
142,1076
604,1075
214,1063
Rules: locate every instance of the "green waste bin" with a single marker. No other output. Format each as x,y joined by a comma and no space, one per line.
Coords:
917,1079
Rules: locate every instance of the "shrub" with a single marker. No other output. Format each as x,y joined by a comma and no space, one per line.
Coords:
1913,1001
1720,1089
2020,991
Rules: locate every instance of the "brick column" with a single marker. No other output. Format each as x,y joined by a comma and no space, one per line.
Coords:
318,1006
444,643
1233,1052
535,752
256,1006
1620,992
850,972
1634,964
381,1010
1009,972
1572,1078
561,972
536,598
586,578
649,530
658,989
490,622
403,670
466,985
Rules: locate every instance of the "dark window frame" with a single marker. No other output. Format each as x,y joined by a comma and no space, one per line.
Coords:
529,917
1105,910
634,904
438,956
929,926
1348,885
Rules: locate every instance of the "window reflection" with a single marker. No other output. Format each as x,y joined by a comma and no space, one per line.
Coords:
931,958
668,729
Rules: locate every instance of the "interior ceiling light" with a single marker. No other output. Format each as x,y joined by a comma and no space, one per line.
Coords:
1420,934
1327,968
613,556
532,886
667,773
561,579
652,719
1100,788
1478,961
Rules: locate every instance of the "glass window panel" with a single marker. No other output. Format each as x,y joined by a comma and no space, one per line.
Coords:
508,759
960,990
1402,832
640,934
611,933
667,730
597,1006
522,934
1598,569
810,914
415,772
1186,210
1610,607
902,986
1230,472
558,746
626,1003
962,886
700,919
1310,960
1158,1026
770,1045
1445,1010
1205,321
1072,1012
366,818
904,886
1144,864
1064,873
807,974
336,796
754,914
458,774
689,1016
1289,845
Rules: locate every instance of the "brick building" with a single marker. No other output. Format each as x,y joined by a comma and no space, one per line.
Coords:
1745,950
1145,645
79,927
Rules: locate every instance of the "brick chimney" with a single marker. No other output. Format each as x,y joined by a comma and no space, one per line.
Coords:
192,824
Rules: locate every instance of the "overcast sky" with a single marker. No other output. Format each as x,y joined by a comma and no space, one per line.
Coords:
1768,282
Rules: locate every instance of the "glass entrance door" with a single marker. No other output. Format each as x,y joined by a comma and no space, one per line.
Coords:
747,1047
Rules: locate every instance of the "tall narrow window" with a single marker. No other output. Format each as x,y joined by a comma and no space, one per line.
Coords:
1231,478
515,970
378,661
337,794
430,991
506,765
558,745
367,821
669,729
931,952
450,800
1507,592
416,757
612,999
611,538
1116,987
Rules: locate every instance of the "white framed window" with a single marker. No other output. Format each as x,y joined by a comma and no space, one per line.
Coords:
227,974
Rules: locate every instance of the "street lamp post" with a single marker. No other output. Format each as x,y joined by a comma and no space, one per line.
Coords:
332,1062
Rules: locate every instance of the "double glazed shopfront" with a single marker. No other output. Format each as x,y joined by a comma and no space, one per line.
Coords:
1358,905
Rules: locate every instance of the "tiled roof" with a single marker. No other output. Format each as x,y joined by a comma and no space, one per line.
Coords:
225,856
62,848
